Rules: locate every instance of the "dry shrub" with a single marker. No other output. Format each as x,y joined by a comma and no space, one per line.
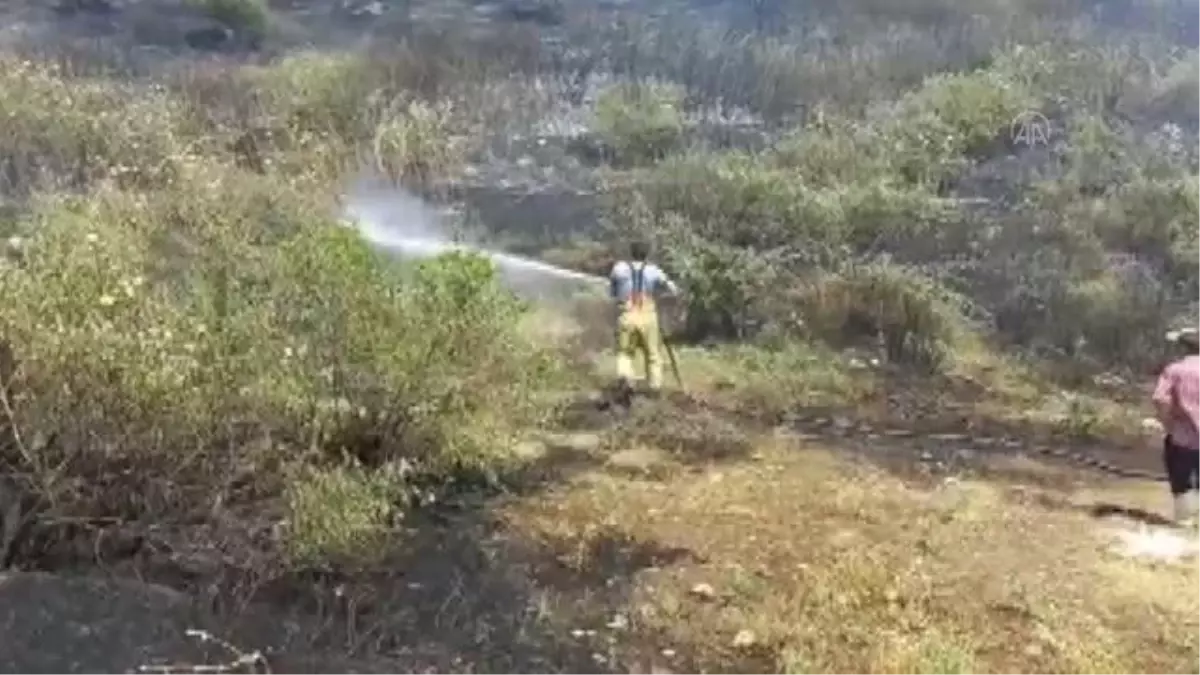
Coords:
913,319
179,349
414,145
640,121
193,326
325,115
315,92
342,514
1176,94
97,130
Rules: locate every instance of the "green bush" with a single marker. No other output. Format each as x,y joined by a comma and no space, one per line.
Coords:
950,118
641,122
192,329
1156,220
833,152
735,228
431,361
727,287
736,199
251,17
1112,315
169,340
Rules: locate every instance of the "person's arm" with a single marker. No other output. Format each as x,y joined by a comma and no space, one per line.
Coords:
665,282
1164,396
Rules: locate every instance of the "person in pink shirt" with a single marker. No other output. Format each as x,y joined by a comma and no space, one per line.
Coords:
1177,400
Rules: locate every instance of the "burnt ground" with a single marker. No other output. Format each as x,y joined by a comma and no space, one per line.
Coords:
465,591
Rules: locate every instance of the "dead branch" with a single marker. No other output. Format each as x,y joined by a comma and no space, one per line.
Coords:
254,660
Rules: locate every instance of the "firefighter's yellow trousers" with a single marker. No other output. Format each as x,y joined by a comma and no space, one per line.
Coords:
638,335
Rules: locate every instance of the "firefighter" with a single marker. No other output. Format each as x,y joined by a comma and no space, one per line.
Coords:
635,286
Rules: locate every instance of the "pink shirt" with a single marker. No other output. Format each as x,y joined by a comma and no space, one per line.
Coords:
1179,388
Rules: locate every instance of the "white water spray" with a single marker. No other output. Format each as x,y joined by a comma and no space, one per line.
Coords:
397,221
1155,544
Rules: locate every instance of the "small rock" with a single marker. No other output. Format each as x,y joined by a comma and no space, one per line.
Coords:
669,653
744,639
619,622
529,449
15,249
372,8
581,441
782,431
1034,649
703,590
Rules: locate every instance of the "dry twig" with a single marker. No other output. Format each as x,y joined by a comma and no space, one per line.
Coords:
254,660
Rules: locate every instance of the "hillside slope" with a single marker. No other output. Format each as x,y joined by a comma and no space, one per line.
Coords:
907,331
